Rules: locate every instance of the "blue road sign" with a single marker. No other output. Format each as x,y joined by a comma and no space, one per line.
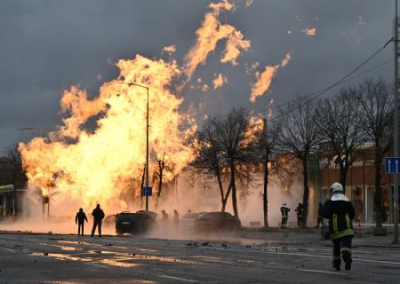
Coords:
392,165
147,191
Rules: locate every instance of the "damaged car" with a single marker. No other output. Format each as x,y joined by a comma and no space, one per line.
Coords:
216,221
139,222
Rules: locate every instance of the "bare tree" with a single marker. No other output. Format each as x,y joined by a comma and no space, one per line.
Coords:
235,136
225,142
209,157
266,142
375,98
340,124
164,166
300,137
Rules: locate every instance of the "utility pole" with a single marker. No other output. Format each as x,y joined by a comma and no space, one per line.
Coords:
396,127
147,142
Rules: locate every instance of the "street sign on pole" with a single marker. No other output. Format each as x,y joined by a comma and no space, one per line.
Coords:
147,191
392,165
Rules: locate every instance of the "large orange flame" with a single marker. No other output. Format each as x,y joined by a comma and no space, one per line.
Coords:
94,166
85,165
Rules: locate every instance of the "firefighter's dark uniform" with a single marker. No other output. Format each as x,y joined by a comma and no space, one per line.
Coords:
80,219
340,212
285,215
299,209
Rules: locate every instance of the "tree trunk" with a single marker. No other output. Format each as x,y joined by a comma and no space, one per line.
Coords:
265,196
234,199
221,191
306,191
160,185
343,176
225,198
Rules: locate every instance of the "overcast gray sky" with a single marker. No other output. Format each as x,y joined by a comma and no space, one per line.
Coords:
47,46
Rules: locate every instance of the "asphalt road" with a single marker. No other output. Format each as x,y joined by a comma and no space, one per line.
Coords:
273,257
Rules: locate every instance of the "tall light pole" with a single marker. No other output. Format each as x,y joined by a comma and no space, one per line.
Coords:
147,141
396,127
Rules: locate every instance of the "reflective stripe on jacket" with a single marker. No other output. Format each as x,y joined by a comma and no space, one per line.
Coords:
340,212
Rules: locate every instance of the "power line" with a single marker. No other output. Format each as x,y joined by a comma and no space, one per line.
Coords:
347,80
319,93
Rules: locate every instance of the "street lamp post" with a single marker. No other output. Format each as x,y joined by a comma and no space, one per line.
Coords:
147,141
396,128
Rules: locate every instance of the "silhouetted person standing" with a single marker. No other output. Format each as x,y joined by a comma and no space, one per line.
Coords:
80,220
98,216
299,210
176,219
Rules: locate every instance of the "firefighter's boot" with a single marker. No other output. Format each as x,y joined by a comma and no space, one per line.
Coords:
347,259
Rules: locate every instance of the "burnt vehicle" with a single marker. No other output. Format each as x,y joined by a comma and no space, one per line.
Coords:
216,221
139,222
187,222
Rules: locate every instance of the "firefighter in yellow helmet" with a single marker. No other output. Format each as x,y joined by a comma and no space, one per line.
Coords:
340,212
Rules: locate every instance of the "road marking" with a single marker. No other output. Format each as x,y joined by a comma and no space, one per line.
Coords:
216,261
7,249
321,271
378,261
312,255
177,278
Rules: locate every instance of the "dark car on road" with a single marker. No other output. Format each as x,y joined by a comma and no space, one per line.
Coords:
139,222
216,221
187,222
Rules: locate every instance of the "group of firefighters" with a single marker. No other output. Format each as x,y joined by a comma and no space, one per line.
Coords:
340,212
299,211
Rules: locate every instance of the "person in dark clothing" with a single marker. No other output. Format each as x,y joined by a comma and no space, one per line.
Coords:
176,219
80,220
384,212
340,212
299,209
285,215
320,219
164,216
98,216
